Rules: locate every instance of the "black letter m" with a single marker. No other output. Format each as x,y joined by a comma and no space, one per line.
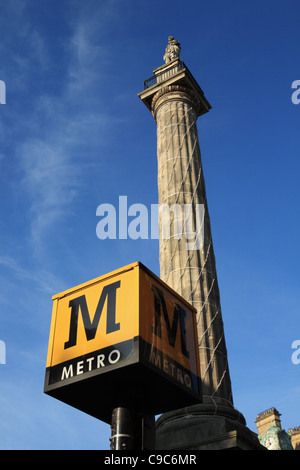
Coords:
91,326
179,314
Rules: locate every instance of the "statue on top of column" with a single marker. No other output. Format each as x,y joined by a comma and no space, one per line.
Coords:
172,50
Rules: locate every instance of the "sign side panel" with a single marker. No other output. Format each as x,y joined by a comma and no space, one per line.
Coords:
52,333
170,369
168,324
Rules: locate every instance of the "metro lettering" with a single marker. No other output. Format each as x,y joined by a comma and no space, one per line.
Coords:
66,373
90,327
89,364
170,368
179,316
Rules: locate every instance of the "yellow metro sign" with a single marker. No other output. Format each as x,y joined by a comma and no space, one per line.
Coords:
123,339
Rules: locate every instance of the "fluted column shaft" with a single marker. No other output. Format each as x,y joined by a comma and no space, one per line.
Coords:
190,272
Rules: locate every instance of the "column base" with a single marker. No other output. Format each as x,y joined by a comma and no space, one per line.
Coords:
205,426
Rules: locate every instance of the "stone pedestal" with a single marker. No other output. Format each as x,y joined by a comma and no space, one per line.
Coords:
205,427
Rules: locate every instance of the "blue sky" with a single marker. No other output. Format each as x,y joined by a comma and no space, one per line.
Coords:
75,135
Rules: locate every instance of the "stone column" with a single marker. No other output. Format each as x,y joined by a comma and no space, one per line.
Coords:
187,261
176,101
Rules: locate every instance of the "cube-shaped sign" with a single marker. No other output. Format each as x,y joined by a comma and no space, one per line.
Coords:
123,339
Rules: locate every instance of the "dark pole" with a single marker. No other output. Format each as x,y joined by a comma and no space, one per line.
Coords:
131,431
147,431
122,430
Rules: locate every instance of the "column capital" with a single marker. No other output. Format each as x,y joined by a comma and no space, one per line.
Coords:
175,93
165,78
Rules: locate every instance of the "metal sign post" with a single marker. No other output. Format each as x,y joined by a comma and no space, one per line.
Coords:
123,435
131,431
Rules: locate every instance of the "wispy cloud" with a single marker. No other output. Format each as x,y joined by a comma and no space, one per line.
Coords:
43,281
62,123
60,114
49,181
86,55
